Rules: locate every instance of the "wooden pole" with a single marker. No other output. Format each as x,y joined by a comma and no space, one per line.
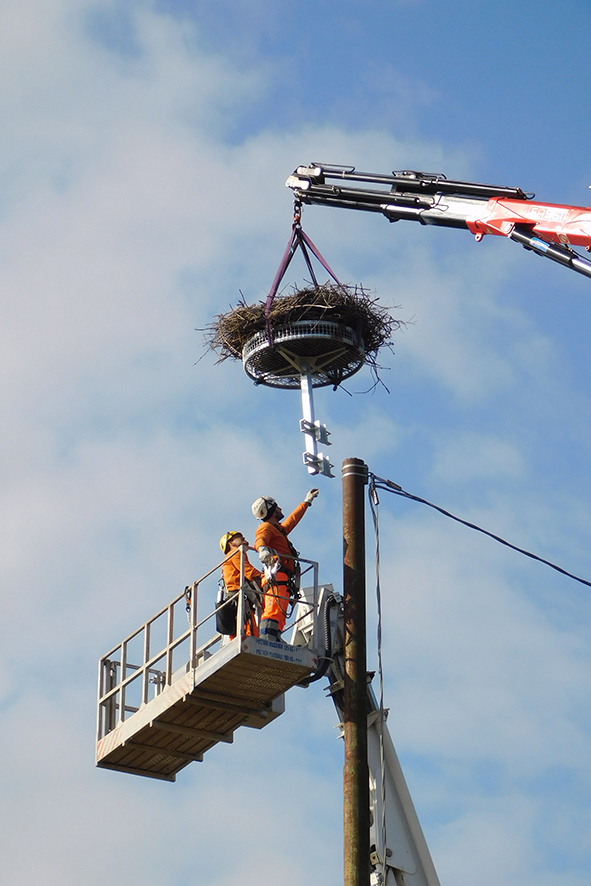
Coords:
356,770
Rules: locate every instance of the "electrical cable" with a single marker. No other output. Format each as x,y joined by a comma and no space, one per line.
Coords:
326,657
390,486
373,503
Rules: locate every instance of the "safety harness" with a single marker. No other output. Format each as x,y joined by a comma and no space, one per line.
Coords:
293,576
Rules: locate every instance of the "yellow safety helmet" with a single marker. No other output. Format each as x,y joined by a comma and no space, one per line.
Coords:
225,540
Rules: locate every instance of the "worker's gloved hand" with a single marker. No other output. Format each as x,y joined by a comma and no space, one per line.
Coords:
266,555
310,496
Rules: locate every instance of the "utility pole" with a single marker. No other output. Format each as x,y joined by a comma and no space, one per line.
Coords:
356,770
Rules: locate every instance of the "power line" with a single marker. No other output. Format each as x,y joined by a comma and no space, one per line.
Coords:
373,502
390,486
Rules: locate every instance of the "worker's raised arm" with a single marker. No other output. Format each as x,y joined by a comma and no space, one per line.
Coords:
294,518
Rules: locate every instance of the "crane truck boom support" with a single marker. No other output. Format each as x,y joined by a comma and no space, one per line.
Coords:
398,852
549,229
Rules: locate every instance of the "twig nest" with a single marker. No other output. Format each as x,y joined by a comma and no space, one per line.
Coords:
327,331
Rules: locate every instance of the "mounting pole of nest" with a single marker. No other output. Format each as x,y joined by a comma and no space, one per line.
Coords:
313,431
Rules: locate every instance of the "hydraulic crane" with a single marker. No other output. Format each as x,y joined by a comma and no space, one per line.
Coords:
548,229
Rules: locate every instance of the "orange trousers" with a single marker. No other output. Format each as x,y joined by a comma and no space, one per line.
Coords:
276,599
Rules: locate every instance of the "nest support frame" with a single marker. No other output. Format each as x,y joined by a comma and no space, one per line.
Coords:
306,354
316,337
330,352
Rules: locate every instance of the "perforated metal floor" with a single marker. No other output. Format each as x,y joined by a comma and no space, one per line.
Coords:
240,685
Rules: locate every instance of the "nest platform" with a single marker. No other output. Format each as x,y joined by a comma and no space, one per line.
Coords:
327,331
330,352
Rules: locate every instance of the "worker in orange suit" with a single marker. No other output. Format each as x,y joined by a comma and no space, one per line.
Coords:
280,559
231,575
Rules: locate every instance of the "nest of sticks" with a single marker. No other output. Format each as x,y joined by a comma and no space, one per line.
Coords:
350,305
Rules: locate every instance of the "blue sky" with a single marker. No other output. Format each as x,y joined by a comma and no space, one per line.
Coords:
143,152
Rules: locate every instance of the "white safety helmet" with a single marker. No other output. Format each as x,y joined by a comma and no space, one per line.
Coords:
263,507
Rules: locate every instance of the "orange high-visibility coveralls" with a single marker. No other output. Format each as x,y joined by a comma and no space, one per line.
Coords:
270,536
231,576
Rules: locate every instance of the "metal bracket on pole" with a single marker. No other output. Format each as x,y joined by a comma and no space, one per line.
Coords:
318,431
318,464
314,432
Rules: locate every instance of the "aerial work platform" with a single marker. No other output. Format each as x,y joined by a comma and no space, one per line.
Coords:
158,712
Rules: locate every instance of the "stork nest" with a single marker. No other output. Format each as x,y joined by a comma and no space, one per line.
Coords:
351,305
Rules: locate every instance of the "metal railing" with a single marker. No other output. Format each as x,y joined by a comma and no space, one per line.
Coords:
131,674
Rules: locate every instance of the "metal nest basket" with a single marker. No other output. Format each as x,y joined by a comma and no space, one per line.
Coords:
327,332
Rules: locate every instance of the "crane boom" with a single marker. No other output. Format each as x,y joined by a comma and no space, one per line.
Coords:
548,229
398,852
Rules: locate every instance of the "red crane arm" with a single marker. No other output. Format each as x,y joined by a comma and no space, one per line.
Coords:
548,229
567,225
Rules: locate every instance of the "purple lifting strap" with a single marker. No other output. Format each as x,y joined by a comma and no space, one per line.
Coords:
301,239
